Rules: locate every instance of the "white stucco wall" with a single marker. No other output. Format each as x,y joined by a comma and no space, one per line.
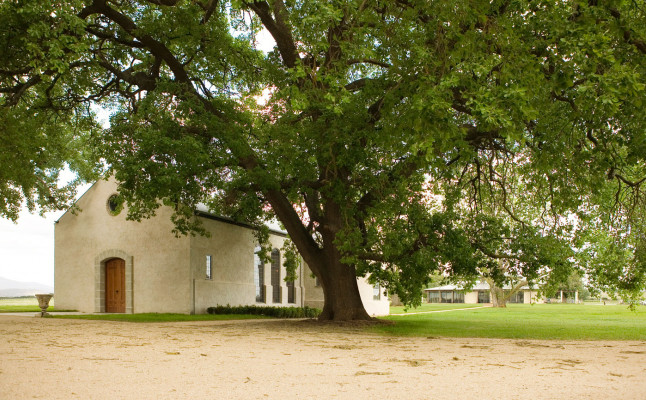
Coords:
471,298
232,282
532,297
374,307
313,294
164,273
158,260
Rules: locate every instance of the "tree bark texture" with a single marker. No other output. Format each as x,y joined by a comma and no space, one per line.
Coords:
341,293
498,298
342,301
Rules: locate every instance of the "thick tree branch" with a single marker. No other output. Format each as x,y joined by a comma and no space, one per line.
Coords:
493,254
104,35
371,256
630,183
591,138
139,79
356,85
18,90
277,26
209,8
292,222
627,33
566,100
157,48
169,3
369,61
484,139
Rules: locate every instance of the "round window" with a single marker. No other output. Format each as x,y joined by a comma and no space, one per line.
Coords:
115,204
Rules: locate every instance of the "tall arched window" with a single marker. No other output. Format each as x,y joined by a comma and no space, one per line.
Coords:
259,276
275,275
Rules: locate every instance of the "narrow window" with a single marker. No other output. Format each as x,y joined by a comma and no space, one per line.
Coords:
317,283
376,292
291,292
259,277
209,266
275,275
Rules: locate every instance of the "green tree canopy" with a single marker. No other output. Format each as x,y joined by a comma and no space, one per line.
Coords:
394,138
38,137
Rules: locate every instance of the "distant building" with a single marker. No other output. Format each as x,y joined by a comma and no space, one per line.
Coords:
479,293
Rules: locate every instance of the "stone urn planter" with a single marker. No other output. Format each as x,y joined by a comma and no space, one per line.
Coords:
43,303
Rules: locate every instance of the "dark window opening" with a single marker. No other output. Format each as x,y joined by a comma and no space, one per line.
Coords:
518,297
483,296
291,292
275,275
259,278
115,205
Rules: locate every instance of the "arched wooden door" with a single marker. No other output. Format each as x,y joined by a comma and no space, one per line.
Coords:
115,286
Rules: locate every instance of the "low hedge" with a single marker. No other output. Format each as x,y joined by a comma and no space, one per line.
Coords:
276,312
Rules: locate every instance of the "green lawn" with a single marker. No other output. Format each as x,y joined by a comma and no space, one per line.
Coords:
431,307
154,317
524,321
517,321
22,304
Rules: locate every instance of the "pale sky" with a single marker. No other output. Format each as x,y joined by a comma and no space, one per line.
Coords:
27,247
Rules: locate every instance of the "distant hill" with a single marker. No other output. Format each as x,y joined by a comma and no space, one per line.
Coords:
9,288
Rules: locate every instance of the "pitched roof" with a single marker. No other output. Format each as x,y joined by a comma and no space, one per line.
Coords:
201,211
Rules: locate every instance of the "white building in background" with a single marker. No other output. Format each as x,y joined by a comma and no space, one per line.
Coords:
479,293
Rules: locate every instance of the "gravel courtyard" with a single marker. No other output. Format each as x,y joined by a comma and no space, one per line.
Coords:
276,359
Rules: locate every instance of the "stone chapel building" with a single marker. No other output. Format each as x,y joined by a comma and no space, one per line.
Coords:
105,263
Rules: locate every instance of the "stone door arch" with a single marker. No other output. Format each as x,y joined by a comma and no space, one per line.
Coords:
113,257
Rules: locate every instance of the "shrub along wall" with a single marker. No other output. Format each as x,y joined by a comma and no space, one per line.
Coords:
277,312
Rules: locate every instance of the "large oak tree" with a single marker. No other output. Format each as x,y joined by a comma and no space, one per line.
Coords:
391,138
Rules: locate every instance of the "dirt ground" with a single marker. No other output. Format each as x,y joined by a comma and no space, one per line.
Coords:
273,359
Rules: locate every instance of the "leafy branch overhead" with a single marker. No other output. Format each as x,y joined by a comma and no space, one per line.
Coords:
390,138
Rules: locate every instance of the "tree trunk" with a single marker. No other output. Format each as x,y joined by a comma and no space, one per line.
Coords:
342,301
341,294
339,282
498,298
